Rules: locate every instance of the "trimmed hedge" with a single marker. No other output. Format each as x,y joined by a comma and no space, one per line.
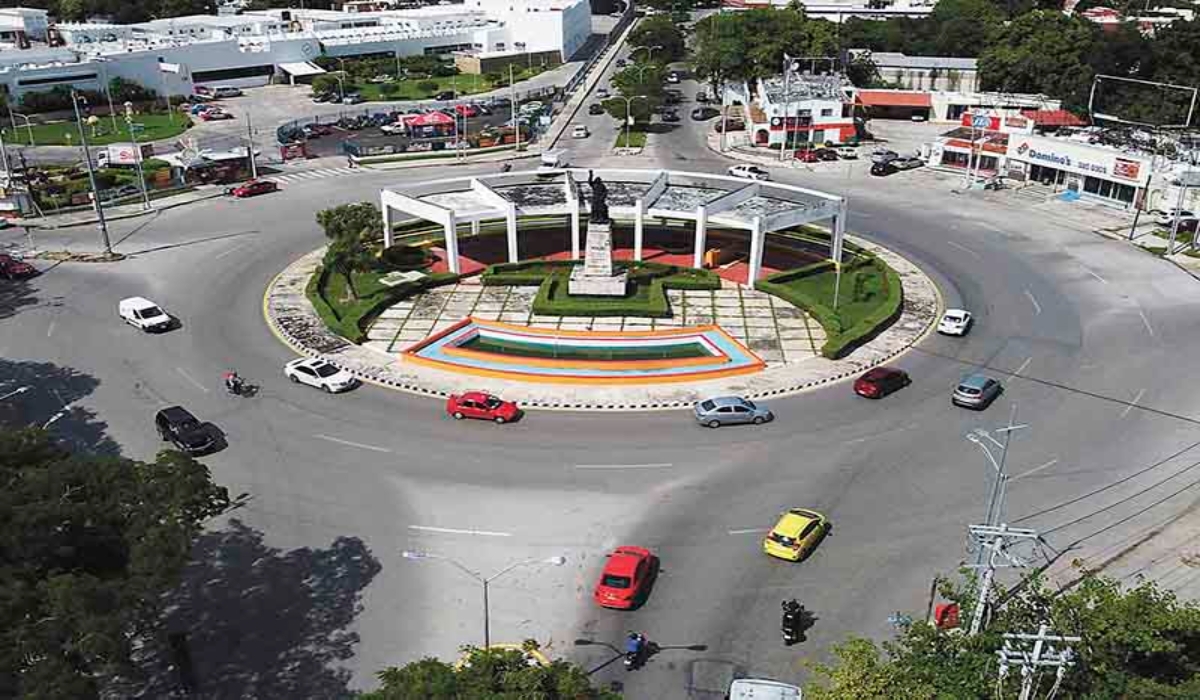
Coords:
648,299
351,321
840,339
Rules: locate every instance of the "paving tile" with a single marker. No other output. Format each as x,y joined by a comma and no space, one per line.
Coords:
787,312
514,316
756,302
575,326
759,322
487,315
543,324
758,312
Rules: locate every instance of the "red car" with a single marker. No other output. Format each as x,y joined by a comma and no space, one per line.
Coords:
13,269
625,581
881,381
466,110
477,404
249,189
806,156
214,114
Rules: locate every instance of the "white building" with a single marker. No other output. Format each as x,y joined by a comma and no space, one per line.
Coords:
841,10
808,109
22,22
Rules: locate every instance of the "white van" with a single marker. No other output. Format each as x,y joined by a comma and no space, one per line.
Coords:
552,161
142,313
580,132
226,91
756,689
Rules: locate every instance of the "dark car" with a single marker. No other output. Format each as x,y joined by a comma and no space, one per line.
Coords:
595,108
881,381
734,125
444,95
179,427
826,154
882,169
620,63
13,269
670,115
324,97
704,113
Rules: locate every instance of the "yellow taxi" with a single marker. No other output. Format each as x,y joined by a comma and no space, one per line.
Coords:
796,534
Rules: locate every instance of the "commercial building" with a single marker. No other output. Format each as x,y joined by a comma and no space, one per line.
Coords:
803,109
938,73
19,26
946,105
1093,172
841,10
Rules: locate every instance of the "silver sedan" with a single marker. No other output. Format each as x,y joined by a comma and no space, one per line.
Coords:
730,410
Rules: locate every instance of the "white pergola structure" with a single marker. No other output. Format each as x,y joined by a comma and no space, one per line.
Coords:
758,207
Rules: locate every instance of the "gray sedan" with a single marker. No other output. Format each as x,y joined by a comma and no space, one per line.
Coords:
976,391
730,410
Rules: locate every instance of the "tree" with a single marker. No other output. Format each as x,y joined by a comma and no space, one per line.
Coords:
492,674
1041,52
88,545
658,31
361,220
962,27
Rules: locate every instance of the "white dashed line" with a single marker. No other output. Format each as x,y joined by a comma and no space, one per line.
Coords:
747,531
963,248
1133,403
1092,272
1047,465
352,444
1037,308
624,466
232,250
1146,322
50,329
453,531
1023,366
191,379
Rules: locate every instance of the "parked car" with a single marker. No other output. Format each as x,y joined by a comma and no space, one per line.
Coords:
319,373
878,382
626,579
702,97
730,410
704,113
353,98
826,154
670,115
796,534
222,91
142,313
750,172
906,162
847,152
730,125
673,77
323,97
595,108
955,322
13,269
477,404
806,156
883,155
602,93
580,131
253,188
466,111
882,169
213,114
178,426
976,391
620,63
444,95
1167,218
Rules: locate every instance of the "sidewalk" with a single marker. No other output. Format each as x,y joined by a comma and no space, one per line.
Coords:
123,211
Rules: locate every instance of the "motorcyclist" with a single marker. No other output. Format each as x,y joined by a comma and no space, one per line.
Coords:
634,643
233,382
790,625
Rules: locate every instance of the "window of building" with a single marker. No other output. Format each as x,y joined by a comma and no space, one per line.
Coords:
954,159
1108,189
827,113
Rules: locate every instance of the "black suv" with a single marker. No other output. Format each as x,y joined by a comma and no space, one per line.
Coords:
179,427
595,108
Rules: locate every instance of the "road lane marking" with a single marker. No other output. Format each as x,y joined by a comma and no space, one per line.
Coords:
191,379
1023,366
234,249
1092,272
663,465
455,531
965,249
1146,322
352,444
747,531
50,328
1047,465
1133,403
1037,308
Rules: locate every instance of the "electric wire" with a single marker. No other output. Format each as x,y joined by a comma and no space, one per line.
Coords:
1129,517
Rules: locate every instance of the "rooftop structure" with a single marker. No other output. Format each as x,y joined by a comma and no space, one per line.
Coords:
841,10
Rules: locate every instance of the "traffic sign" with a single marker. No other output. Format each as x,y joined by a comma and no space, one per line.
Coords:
981,121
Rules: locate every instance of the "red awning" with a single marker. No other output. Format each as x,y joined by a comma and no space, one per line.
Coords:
430,119
1053,117
892,98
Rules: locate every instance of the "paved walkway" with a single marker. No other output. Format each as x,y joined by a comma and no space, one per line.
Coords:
295,322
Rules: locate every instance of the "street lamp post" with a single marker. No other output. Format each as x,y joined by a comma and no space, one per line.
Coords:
341,78
629,113
137,154
485,581
87,160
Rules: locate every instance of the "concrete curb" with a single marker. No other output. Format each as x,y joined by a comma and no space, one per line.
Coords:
134,214
304,318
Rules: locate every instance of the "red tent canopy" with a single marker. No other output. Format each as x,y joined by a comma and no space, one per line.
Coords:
430,119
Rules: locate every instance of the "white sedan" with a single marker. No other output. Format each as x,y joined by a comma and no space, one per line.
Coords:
316,372
751,172
954,322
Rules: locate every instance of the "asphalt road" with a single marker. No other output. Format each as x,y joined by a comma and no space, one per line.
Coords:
312,580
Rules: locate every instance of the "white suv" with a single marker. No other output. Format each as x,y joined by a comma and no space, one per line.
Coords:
143,313
751,172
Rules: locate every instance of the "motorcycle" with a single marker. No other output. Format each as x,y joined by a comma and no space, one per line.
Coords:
506,167
235,385
635,650
790,625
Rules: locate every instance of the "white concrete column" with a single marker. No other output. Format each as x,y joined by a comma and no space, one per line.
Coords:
701,236
387,225
757,239
839,233
639,216
510,219
575,216
474,227
452,243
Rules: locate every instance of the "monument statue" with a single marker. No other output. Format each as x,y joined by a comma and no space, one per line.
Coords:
599,209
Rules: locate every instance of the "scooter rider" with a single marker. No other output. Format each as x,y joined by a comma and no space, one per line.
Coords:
790,625
233,382
635,644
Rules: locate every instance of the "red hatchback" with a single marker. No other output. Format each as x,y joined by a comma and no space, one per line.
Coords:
626,579
881,381
13,269
477,404
254,187
806,156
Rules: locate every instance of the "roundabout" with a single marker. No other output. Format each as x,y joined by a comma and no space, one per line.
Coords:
341,484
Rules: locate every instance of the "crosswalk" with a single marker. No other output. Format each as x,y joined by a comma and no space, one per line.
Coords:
318,174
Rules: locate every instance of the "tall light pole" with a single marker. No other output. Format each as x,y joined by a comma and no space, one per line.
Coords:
981,438
512,108
629,113
87,160
485,581
137,154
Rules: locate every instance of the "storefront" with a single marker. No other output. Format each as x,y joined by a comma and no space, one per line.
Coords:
1101,174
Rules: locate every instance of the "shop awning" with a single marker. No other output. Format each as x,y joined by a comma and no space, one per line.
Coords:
430,119
301,69
1053,117
893,98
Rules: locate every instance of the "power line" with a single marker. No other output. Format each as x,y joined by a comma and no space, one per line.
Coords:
1133,515
1114,504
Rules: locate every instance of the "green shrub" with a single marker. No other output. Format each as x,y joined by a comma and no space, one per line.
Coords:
647,299
404,257
427,86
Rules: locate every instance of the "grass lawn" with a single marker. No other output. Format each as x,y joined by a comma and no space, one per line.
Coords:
367,285
465,84
637,139
1181,236
158,126
862,290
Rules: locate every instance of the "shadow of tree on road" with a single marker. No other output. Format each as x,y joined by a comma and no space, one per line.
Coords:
42,394
261,622
14,296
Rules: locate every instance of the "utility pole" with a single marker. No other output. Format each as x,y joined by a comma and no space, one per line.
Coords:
250,146
1046,653
512,108
4,156
87,160
787,64
995,540
137,154
982,438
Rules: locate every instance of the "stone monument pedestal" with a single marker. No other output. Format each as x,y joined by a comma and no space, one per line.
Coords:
595,277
